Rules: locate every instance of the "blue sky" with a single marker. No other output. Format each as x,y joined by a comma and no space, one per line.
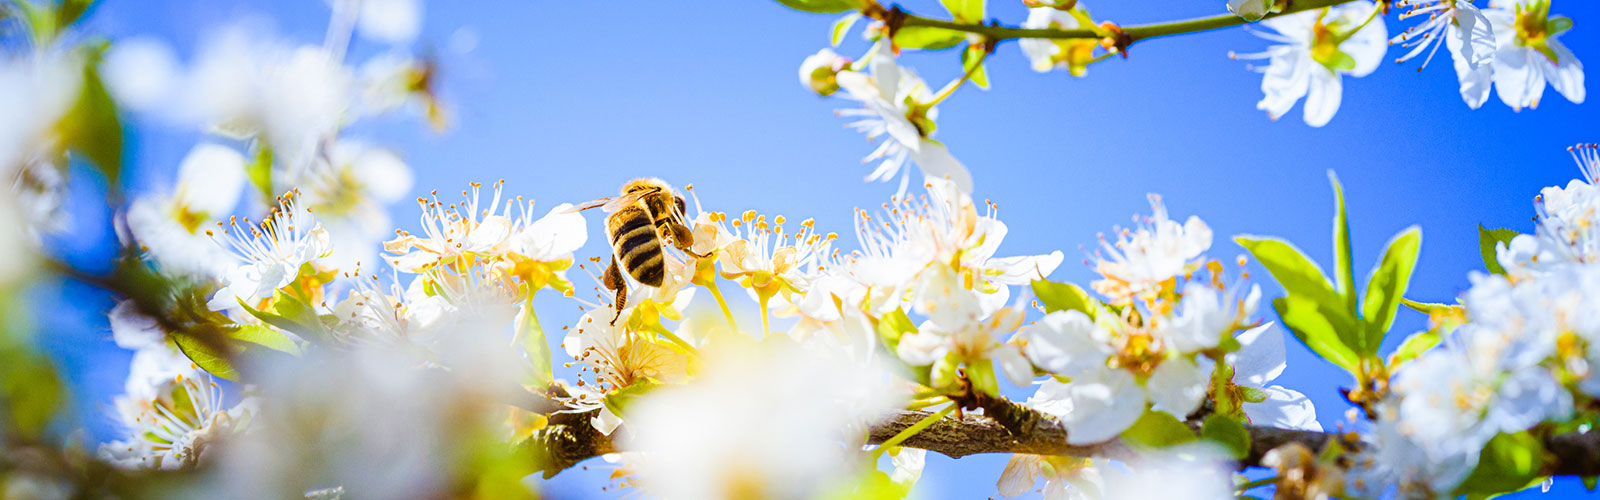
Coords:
567,100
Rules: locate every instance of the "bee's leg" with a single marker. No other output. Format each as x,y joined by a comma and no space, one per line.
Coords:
683,238
615,281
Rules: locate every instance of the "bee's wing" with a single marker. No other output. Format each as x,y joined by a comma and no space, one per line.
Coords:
588,205
615,204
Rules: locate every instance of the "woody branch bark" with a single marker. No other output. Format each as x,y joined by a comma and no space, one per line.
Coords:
570,439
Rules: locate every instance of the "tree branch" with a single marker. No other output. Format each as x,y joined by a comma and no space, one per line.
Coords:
1135,33
572,440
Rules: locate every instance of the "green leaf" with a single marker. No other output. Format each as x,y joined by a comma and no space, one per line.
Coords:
823,6
942,375
260,171
1297,274
264,336
294,316
1558,25
1414,346
927,37
1589,482
1508,463
92,128
1157,429
1488,242
1388,284
619,400
1342,260
70,11
534,344
1317,328
981,375
973,55
30,391
1228,432
1063,297
204,356
965,11
842,27
894,325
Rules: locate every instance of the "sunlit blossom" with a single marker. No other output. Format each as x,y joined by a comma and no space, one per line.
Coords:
269,255
1529,55
175,427
456,230
1145,259
1464,29
897,108
1315,48
173,228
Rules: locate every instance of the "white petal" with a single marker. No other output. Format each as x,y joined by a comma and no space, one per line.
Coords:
1065,343
1566,77
1286,80
1323,100
908,464
556,235
1516,80
1105,403
210,179
132,330
491,232
1021,472
390,21
1260,358
1011,362
1177,386
1023,270
1369,45
1285,409
605,421
937,163
140,72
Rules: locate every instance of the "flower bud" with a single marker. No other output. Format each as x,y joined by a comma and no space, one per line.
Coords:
820,71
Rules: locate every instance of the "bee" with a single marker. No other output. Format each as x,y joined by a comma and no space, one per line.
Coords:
647,212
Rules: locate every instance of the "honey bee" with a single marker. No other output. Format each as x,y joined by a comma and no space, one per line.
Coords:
647,212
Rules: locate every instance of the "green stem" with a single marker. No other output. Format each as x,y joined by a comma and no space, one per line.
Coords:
925,423
952,86
1136,33
723,303
766,325
675,339
1255,484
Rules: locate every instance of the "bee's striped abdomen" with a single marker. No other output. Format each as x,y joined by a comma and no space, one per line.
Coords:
637,245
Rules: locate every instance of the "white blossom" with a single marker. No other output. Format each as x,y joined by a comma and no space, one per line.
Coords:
896,107
1529,55
269,256
1145,257
173,227
1464,29
1314,49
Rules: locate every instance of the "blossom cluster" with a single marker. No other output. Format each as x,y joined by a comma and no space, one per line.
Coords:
1517,352
289,340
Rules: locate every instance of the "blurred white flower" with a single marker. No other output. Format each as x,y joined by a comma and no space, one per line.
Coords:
820,71
1390,462
714,438
172,228
896,107
1072,55
175,426
1155,252
1529,55
348,192
36,91
1315,48
1197,471
269,256
243,85
1461,26
1065,478
389,21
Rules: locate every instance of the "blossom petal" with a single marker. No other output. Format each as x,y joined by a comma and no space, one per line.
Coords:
1176,386
1065,343
937,163
1323,100
1260,358
1105,403
1023,270
1285,409
1566,77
